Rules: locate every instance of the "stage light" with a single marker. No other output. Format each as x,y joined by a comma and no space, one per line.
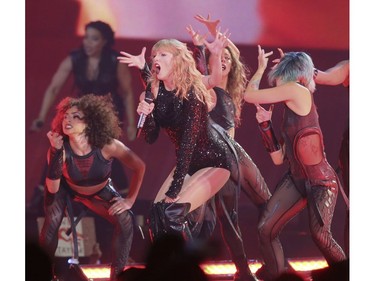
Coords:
308,264
214,269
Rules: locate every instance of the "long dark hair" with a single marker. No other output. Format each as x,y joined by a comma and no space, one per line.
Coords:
105,29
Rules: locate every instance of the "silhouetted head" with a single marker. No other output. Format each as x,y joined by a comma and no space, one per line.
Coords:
105,29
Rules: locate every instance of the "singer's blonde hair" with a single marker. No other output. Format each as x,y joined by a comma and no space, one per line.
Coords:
186,76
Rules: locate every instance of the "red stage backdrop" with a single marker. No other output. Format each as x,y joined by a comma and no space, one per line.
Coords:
321,28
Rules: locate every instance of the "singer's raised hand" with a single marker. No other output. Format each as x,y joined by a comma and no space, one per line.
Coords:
131,60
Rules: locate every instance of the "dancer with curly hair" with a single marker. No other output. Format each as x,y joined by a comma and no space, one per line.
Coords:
84,142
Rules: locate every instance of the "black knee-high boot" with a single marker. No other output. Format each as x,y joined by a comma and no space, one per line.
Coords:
156,222
176,222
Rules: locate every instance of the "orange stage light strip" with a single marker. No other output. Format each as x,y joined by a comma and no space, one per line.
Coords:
214,268
101,272
96,272
226,267
308,265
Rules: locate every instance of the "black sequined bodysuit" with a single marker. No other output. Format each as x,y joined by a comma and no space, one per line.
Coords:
186,123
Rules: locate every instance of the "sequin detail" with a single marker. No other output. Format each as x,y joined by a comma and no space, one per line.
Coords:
197,145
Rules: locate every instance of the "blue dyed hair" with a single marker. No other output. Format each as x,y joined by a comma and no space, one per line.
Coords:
294,66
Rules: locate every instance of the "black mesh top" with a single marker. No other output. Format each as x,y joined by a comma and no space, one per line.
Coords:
86,170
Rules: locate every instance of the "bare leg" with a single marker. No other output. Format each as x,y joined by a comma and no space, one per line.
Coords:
164,188
203,185
198,188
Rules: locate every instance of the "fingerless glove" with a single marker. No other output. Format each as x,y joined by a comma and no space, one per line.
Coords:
55,163
268,136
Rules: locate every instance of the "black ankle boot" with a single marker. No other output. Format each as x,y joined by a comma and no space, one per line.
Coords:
175,215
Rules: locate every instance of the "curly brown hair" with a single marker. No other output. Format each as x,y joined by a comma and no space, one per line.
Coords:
102,120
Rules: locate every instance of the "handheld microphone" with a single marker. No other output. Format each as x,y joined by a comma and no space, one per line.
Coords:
142,117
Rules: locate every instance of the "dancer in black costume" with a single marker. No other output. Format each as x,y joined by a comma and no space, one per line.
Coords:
227,113
310,181
84,142
96,70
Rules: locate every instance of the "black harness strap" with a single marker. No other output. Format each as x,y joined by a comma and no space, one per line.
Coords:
74,259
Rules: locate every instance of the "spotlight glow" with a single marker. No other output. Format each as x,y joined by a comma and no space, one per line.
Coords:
214,268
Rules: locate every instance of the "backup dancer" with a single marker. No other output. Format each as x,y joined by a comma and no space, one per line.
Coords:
310,180
84,143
